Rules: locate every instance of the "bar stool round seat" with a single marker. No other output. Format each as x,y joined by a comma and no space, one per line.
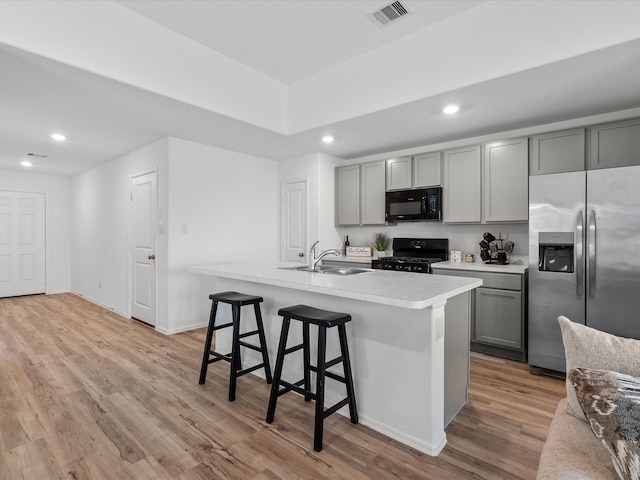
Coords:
324,320
236,300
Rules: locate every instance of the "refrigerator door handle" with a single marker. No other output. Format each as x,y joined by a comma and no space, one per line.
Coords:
591,252
579,253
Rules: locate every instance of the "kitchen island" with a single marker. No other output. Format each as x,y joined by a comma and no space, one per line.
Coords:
409,340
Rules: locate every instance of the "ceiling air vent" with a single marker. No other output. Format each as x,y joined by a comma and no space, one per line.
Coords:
388,14
36,155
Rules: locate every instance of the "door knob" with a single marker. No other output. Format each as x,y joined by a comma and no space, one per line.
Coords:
151,257
301,254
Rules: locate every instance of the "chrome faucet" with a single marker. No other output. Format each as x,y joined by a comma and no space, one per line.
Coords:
313,260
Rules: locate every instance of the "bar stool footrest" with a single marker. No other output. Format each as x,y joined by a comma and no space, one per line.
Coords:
248,345
219,356
249,369
295,387
335,408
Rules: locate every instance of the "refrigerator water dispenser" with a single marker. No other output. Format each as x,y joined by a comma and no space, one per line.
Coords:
555,250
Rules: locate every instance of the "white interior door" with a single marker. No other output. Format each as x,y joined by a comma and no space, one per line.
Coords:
143,246
22,243
294,222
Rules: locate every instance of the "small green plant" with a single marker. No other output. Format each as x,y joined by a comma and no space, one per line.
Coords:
380,241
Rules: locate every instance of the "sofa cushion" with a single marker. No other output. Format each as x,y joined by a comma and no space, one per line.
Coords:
572,452
587,347
611,403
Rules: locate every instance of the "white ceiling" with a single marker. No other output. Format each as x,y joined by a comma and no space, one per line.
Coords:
288,40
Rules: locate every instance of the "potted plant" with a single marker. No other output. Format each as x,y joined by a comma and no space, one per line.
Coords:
380,243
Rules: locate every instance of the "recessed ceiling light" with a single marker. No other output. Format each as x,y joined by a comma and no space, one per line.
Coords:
25,163
58,136
450,109
327,139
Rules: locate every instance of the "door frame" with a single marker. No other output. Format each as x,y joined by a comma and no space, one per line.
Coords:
283,184
130,249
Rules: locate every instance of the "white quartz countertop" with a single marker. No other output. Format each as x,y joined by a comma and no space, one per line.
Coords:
518,264
398,289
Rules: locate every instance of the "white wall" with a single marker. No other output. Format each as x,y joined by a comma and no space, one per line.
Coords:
319,171
57,192
101,227
228,202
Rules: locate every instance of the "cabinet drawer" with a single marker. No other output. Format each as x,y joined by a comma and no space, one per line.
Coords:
503,281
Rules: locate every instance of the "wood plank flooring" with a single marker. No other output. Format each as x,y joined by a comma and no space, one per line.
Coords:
87,394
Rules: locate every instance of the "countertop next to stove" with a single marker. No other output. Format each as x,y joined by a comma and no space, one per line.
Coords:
518,264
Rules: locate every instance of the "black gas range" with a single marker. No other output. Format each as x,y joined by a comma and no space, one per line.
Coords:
414,255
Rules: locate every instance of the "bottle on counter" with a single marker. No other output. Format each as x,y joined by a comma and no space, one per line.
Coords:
346,244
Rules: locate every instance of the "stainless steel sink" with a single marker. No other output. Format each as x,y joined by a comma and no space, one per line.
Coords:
329,269
305,268
347,271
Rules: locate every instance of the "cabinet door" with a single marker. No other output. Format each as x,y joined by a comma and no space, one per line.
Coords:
506,181
348,195
498,317
615,145
557,152
372,196
399,173
462,185
427,170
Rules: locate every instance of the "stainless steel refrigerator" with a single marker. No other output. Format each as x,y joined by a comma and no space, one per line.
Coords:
584,257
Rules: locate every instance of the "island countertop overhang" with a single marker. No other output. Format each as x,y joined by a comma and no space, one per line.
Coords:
398,289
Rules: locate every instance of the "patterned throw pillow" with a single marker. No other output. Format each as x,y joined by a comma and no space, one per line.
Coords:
611,403
587,347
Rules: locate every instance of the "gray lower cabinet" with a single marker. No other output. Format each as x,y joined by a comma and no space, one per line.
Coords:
498,317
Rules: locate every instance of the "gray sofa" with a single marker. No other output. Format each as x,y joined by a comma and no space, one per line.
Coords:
572,452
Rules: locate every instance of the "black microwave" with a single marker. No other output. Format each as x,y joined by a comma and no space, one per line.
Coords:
414,205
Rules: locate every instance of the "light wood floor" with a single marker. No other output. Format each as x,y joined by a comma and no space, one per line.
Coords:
87,394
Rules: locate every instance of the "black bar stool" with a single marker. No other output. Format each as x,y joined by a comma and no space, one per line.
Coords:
323,319
236,300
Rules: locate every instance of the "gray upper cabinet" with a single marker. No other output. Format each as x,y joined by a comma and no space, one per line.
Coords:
372,193
427,170
360,194
506,181
615,145
399,173
461,185
419,171
557,152
348,195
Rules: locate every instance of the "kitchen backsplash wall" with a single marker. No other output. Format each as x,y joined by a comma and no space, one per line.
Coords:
464,238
